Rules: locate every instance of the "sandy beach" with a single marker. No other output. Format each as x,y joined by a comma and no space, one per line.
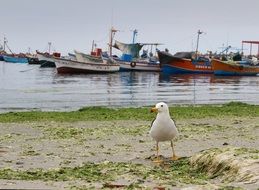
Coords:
111,145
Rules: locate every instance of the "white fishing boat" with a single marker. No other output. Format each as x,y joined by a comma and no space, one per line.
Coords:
71,66
132,61
45,58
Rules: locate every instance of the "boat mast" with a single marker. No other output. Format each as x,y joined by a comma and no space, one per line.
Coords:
112,33
5,42
92,46
5,45
135,32
49,44
197,46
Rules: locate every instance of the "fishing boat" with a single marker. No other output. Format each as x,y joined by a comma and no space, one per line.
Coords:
185,62
131,60
12,57
234,68
73,67
238,64
15,59
46,59
32,59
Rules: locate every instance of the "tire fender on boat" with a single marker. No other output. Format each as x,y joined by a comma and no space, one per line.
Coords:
133,64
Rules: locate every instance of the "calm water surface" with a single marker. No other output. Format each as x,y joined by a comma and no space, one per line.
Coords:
27,87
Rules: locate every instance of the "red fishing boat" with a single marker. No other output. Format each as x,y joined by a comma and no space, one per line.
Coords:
239,64
232,68
184,62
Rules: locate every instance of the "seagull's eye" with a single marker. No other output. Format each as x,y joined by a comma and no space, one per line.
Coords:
162,106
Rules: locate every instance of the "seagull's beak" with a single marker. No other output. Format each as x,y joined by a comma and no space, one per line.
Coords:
154,109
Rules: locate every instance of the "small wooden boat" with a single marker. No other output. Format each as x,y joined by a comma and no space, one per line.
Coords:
91,64
184,62
32,59
15,59
46,59
72,66
234,68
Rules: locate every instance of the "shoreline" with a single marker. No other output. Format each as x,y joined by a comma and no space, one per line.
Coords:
11,110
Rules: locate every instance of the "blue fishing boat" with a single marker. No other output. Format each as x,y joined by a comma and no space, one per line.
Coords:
15,59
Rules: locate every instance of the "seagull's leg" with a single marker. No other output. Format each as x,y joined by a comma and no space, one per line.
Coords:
157,160
174,157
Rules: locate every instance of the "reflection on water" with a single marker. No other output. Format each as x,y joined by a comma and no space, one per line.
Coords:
30,87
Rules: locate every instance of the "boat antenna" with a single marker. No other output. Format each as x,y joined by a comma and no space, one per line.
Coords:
197,45
135,33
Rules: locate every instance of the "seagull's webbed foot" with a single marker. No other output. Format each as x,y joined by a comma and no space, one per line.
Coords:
174,158
157,161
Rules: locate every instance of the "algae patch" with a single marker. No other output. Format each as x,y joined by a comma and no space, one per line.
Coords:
174,172
81,133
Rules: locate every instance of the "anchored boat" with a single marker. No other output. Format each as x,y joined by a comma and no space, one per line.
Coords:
15,59
238,64
231,68
184,62
132,61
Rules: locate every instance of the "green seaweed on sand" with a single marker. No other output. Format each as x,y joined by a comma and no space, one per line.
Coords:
80,133
178,171
234,109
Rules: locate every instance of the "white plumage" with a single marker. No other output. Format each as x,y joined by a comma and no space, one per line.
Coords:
163,127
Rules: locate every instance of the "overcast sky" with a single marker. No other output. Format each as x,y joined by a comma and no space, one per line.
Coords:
73,24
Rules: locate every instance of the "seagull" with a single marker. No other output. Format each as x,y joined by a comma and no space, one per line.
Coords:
163,128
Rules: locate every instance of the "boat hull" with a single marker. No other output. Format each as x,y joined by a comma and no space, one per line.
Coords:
138,66
175,65
73,67
233,69
33,61
12,59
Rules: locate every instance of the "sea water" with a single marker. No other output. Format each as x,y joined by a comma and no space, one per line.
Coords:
29,87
